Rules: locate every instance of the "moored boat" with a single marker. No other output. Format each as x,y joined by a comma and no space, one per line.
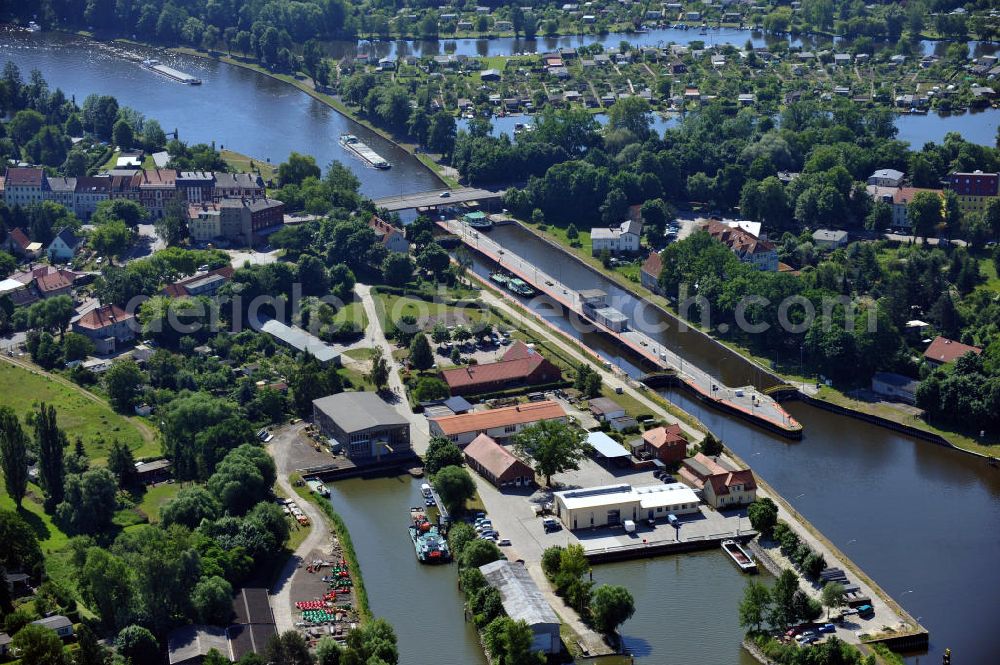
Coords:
33,27
519,287
359,148
499,278
429,543
739,556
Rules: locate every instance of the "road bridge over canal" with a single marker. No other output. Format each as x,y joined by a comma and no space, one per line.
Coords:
438,197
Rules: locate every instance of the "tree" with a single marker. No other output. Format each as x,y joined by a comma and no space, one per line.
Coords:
571,232
879,217
632,114
832,596
421,355
13,455
212,600
441,134
122,135
190,506
121,210
435,260
111,239
121,463
763,514
89,650
137,646
20,550
288,648
379,372
89,503
50,442
76,164
243,478
441,452
460,534
328,652
76,347
455,486
553,446
479,553
924,213
172,227
38,645
397,269
297,168
754,606
122,381
610,606
510,642
782,611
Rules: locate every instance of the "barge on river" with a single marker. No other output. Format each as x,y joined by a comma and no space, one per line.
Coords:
739,556
429,543
170,72
353,144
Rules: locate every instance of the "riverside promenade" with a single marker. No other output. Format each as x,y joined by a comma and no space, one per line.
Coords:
746,402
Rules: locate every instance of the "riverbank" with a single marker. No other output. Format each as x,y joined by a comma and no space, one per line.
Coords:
872,411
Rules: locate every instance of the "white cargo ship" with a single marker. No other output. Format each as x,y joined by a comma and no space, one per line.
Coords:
170,72
355,145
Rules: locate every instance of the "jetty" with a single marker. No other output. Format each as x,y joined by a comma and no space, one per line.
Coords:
170,72
746,402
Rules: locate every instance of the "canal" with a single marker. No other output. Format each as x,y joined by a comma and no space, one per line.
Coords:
236,108
920,519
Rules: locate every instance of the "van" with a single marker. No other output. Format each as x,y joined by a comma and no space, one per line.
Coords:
866,611
629,526
672,520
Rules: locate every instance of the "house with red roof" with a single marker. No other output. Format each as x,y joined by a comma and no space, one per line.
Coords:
665,444
19,243
761,254
722,486
943,350
55,283
389,235
519,366
497,464
25,186
202,284
107,327
649,273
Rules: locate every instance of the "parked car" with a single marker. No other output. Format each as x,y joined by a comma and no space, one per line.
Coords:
808,637
504,542
866,611
827,628
551,524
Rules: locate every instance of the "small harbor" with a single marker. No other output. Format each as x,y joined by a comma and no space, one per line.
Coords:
170,72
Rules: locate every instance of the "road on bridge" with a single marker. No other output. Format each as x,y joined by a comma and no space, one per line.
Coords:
437,197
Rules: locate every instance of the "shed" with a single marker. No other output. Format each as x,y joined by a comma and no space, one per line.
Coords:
523,601
189,645
604,408
607,447
62,626
497,464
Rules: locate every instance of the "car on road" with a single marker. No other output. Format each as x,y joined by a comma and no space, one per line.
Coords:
504,542
551,524
445,195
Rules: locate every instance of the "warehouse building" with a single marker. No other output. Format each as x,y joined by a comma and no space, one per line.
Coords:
364,424
609,505
523,601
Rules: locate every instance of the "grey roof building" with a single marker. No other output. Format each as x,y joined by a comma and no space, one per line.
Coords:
364,424
522,599
189,645
62,626
300,340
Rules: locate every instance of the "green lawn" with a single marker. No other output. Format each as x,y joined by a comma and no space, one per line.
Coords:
154,499
392,307
989,270
360,354
78,414
241,162
353,312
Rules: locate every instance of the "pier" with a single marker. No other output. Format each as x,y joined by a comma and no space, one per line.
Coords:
746,402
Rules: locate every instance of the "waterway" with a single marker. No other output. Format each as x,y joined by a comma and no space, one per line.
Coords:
236,108
918,518
421,602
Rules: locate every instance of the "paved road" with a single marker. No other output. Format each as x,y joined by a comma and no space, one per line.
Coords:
435,198
319,535
419,432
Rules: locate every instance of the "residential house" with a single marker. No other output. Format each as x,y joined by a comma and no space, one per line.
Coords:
204,221
107,326
200,284
886,178
519,366
901,198
62,626
364,424
942,351
624,238
55,283
665,443
153,472
90,190
62,191
155,188
64,246
238,185
895,386
500,424
759,253
974,190
392,238
196,186
241,220
25,186
649,273
829,238
522,600
497,464
722,486
20,244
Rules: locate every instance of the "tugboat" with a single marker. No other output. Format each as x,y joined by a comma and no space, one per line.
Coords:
519,287
428,541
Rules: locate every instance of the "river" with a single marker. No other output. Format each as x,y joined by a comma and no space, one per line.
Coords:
234,107
921,520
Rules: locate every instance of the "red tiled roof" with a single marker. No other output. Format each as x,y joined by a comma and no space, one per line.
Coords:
179,289
490,455
54,281
904,195
518,364
22,240
155,178
944,350
721,482
653,265
519,414
737,239
102,317
382,228
24,177
664,436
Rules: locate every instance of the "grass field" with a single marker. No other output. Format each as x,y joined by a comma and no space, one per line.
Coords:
154,499
353,312
392,307
242,163
79,415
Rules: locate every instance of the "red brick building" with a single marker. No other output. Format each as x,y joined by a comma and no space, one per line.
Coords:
519,366
497,464
665,444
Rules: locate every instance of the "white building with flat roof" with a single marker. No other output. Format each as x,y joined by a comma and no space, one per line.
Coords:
609,505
